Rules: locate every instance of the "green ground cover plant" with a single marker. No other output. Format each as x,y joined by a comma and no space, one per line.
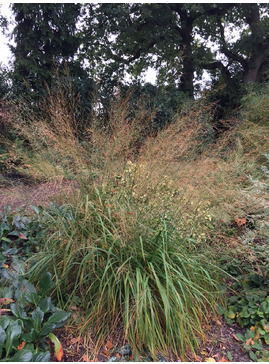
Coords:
30,319
27,313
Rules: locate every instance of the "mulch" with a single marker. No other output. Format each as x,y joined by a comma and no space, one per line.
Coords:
219,342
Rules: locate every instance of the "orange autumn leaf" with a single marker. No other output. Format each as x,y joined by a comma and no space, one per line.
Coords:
249,341
118,356
74,340
85,358
106,352
235,337
59,354
240,222
257,334
6,301
222,360
58,349
109,345
21,346
4,311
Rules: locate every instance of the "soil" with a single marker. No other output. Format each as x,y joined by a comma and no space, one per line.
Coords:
220,339
23,195
219,342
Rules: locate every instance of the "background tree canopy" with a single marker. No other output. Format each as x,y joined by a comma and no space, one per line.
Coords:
101,43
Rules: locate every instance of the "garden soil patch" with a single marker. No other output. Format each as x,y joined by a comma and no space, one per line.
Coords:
23,196
219,342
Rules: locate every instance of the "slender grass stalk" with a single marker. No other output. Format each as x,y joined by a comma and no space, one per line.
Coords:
148,282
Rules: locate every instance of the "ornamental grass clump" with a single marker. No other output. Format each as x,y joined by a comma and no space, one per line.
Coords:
136,275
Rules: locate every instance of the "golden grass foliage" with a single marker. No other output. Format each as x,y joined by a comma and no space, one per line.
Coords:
183,171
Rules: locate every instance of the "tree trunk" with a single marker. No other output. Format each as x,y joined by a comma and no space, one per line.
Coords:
254,66
186,79
255,62
186,29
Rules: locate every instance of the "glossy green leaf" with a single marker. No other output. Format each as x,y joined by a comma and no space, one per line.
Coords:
45,284
240,337
23,355
28,286
2,339
47,329
6,239
32,297
58,318
29,324
230,314
2,259
253,356
34,334
45,304
5,321
41,357
37,316
13,332
220,309
2,336
17,310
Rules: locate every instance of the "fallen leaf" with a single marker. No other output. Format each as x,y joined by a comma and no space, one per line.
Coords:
203,352
256,331
106,352
5,266
235,337
22,236
219,323
85,358
222,360
109,345
131,357
74,340
4,311
240,222
249,341
118,356
21,346
58,349
210,360
6,301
